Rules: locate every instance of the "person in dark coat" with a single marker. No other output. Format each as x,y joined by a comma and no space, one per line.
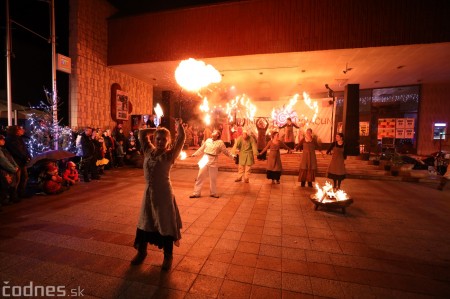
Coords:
88,162
336,169
15,144
8,175
308,163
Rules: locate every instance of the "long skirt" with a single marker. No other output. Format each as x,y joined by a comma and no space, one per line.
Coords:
307,175
154,238
333,176
273,175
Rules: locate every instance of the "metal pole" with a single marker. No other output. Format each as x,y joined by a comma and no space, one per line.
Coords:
55,93
332,119
8,65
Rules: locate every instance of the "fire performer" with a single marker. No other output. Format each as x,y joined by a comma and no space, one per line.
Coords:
274,166
336,169
308,164
246,145
211,149
289,138
159,221
261,125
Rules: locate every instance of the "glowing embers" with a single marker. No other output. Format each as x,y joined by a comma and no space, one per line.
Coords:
326,193
329,198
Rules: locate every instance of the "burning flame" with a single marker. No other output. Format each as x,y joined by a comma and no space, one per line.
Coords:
280,115
193,75
183,155
158,111
326,193
312,105
204,107
241,105
203,161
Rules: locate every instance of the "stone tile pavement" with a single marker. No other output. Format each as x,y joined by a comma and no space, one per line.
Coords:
257,240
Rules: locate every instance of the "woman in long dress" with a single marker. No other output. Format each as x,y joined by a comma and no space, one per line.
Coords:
274,166
159,220
308,164
336,169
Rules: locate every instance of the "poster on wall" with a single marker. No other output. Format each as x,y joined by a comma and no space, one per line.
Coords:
386,128
121,105
400,133
400,123
363,128
409,133
409,123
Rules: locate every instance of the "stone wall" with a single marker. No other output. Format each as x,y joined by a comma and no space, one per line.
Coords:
91,78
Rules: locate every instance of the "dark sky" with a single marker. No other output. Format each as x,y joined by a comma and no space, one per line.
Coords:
31,66
31,63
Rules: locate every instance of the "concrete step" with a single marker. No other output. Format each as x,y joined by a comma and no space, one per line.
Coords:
356,168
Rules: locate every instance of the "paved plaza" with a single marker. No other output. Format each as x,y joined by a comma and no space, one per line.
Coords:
258,240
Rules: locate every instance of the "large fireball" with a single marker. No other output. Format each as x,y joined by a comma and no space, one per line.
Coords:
193,75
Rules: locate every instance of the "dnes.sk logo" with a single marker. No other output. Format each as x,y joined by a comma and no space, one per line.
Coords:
31,290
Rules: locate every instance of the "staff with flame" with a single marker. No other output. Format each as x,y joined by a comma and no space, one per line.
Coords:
211,149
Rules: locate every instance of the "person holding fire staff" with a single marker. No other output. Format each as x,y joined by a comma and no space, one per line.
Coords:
289,137
211,149
159,220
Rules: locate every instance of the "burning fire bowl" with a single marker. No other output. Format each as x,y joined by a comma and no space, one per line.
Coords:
330,203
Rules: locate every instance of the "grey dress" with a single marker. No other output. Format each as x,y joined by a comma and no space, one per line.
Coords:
336,169
159,211
308,163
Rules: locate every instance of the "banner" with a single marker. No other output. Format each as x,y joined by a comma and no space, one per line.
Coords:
321,127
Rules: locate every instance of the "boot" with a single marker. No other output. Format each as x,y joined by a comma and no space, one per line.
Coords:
303,184
141,255
167,263
310,184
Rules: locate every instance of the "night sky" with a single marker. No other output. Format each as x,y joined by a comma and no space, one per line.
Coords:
31,64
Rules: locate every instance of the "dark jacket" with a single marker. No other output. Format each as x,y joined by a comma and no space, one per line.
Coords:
18,149
7,162
87,146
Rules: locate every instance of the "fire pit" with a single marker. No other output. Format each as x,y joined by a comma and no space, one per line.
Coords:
329,199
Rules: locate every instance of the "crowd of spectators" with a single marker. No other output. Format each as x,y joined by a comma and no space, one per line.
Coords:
96,151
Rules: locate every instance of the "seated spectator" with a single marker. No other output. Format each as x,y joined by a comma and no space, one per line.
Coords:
52,182
71,173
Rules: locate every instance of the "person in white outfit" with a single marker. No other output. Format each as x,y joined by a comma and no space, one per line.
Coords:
211,149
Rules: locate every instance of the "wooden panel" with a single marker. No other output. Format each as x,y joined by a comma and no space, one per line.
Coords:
274,26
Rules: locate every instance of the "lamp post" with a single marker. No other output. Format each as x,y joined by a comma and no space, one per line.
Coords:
55,92
8,65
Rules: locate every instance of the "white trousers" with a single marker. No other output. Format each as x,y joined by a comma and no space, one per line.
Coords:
212,170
